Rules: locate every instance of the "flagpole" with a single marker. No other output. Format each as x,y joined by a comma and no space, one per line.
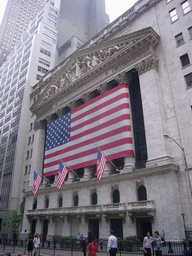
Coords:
70,168
40,175
107,157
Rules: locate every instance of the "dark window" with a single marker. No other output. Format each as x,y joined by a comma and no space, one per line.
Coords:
60,201
190,32
185,60
76,200
179,39
188,79
94,198
35,204
47,202
116,196
142,193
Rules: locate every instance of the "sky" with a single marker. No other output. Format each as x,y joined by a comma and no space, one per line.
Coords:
114,8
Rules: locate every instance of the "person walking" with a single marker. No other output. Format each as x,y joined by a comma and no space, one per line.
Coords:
147,244
30,244
158,240
83,244
112,244
36,243
93,248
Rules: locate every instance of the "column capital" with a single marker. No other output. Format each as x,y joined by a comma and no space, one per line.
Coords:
147,64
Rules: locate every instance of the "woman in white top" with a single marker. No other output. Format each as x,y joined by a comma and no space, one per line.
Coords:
36,243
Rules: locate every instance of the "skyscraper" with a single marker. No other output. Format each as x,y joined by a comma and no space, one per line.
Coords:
16,18
33,55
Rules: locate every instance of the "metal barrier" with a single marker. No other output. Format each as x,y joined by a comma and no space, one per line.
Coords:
169,248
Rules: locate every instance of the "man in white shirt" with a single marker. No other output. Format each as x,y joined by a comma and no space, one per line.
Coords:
147,244
112,244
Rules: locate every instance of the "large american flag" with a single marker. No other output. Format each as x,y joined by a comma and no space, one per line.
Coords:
62,173
103,121
101,161
36,182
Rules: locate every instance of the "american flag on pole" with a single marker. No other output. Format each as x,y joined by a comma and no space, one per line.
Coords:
36,182
62,173
101,161
104,120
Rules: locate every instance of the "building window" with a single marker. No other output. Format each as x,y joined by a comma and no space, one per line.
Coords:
29,169
185,60
116,196
188,80
168,1
76,200
32,140
29,142
190,32
94,198
31,126
173,15
27,154
46,202
186,7
44,62
142,193
43,70
35,204
26,169
179,39
60,201
38,77
31,153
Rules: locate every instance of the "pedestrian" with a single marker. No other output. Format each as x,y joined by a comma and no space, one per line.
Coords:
93,248
112,244
78,238
36,243
158,240
189,251
30,244
83,244
147,244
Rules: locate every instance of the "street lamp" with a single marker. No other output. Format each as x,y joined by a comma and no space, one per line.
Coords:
183,215
168,137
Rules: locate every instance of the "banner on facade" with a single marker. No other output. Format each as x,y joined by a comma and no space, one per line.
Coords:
103,121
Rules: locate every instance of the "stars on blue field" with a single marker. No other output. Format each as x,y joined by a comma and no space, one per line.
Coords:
58,132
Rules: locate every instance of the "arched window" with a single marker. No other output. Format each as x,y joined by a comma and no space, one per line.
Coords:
142,193
94,198
60,201
47,202
76,200
116,196
35,204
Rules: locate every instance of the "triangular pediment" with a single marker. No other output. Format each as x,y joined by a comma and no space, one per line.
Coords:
86,62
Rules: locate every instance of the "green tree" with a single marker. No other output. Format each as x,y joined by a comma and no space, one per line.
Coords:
13,222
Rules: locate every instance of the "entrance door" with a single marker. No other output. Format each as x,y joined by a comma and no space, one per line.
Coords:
117,226
33,227
45,229
94,228
143,225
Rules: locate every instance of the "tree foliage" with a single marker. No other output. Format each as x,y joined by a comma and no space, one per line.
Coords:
13,221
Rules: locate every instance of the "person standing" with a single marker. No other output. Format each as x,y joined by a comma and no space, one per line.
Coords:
147,244
112,244
83,244
158,243
93,248
36,243
30,245
189,251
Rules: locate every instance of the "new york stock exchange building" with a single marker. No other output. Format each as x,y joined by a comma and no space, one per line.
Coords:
128,92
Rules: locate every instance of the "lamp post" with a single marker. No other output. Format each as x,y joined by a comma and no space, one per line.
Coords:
186,167
183,215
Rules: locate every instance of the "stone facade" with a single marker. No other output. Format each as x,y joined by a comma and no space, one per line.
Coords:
150,190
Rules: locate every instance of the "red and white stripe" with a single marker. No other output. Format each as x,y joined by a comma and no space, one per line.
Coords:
104,122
